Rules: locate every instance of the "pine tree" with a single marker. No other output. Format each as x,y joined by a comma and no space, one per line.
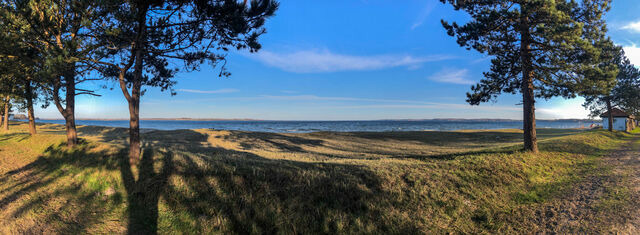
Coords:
625,94
143,37
539,48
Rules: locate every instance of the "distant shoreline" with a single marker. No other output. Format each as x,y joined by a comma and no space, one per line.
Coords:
264,120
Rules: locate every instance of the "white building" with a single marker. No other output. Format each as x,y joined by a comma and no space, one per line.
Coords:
621,120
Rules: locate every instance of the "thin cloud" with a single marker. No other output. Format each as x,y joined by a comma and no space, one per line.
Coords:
391,103
422,17
447,106
455,76
332,98
633,26
633,53
316,61
291,98
220,91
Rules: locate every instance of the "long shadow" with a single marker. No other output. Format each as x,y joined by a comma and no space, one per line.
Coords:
206,189
252,194
566,146
283,142
454,137
144,192
451,156
256,195
29,191
244,192
18,136
247,193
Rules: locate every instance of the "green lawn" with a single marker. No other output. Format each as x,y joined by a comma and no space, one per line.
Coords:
205,181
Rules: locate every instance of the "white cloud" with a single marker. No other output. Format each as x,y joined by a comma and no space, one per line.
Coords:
220,91
633,53
455,76
317,61
633,26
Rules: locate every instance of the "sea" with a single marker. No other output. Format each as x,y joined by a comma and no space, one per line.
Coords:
338,126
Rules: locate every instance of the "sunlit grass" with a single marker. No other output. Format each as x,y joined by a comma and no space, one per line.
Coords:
205,181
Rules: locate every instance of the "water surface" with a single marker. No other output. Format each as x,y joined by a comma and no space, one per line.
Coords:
341,126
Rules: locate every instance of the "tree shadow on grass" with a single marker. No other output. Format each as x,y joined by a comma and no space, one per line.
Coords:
143,193
250,194
191,189
213,189
17,136
546,144
451,156
282,142
454,137
56,193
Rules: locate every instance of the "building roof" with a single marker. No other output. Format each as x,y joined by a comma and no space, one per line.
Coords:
616,113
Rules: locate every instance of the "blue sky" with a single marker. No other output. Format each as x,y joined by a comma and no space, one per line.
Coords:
349,60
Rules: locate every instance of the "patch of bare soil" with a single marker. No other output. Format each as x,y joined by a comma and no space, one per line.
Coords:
606,202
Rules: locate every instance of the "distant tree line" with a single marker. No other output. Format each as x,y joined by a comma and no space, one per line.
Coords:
50,48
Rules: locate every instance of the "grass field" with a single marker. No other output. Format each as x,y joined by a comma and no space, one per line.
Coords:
205,181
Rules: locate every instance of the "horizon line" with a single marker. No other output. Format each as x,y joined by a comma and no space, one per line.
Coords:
310,120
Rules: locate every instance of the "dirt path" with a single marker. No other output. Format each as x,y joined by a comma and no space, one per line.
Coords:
608,201
626,164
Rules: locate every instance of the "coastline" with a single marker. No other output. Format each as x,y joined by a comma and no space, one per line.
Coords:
334,126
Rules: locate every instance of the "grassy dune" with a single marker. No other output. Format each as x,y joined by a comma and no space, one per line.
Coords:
206,181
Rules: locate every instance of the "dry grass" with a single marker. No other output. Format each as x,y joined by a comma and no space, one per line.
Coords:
205,181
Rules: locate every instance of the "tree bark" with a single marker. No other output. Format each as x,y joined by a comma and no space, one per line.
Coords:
69,117
609,109
6,113
29,97
134,122
528,98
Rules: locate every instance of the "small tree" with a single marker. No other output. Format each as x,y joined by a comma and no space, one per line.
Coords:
143,37
540,48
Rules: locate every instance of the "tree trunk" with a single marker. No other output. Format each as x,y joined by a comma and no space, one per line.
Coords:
69,111
529,117
609,109
528,98
6,113
134,124
29,98
134,110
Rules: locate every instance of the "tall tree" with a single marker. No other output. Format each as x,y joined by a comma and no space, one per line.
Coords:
62,33
21,64
540,48
146,39
625,94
